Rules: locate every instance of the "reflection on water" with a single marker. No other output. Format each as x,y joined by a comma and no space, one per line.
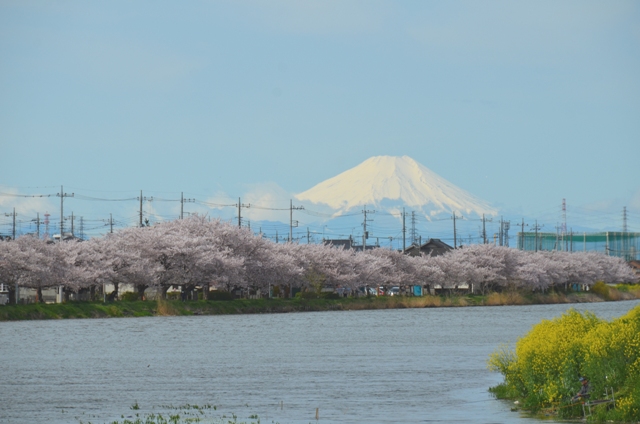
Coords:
384,366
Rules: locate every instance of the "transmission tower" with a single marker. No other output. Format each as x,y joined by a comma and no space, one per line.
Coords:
414,235
46,225
563,228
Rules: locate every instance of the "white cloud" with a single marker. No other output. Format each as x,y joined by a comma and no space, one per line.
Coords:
268,202
27,205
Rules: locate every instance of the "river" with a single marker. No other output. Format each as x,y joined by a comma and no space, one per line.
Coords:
381,366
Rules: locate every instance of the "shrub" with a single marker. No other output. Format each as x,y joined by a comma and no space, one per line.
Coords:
601,289
307,295
543,369
220,295
130,296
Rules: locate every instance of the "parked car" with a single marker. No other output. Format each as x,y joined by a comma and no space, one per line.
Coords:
343,292
393,291
367,291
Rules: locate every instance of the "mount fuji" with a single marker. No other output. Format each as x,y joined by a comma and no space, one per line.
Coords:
390,183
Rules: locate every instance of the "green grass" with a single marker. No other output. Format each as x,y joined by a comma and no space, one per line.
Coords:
276,305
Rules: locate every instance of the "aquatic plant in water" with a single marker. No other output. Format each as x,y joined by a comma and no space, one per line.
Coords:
183,414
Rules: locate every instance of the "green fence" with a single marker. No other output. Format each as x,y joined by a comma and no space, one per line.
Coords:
624,245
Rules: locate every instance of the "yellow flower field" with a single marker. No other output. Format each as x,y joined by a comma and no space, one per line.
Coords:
543,370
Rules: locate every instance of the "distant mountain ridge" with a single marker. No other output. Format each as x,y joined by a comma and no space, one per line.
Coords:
392,182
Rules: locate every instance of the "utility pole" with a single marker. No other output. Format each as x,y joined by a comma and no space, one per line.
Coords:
455,235
484,231
14,222
522,233
82,228
182,202
536,228
38,223
241,205
308,237
506,226
291,208
150,199
563,228
72,234
111,223
625,243
571,240
404,233
62,195
365,234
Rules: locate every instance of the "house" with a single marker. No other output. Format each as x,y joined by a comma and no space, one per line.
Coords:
343,243
433,247
346,244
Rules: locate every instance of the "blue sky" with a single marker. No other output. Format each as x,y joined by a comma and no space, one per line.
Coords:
520,103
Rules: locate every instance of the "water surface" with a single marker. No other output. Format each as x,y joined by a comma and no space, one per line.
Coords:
382,366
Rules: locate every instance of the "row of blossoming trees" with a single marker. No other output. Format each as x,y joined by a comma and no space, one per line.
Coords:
195,251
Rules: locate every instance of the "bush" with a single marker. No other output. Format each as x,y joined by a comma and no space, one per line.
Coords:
601,289
543,370
307,295
130,296
220,295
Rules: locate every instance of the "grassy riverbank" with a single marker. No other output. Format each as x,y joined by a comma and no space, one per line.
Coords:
261,306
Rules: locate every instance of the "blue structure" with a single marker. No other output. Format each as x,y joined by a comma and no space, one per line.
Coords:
621,244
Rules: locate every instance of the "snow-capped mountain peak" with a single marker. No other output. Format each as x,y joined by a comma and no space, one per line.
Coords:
394,181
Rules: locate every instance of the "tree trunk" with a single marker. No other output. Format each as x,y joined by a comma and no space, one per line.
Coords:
140,288
163,292
39,298
12,294
114,294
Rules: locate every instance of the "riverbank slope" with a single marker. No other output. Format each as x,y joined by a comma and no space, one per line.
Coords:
259,306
